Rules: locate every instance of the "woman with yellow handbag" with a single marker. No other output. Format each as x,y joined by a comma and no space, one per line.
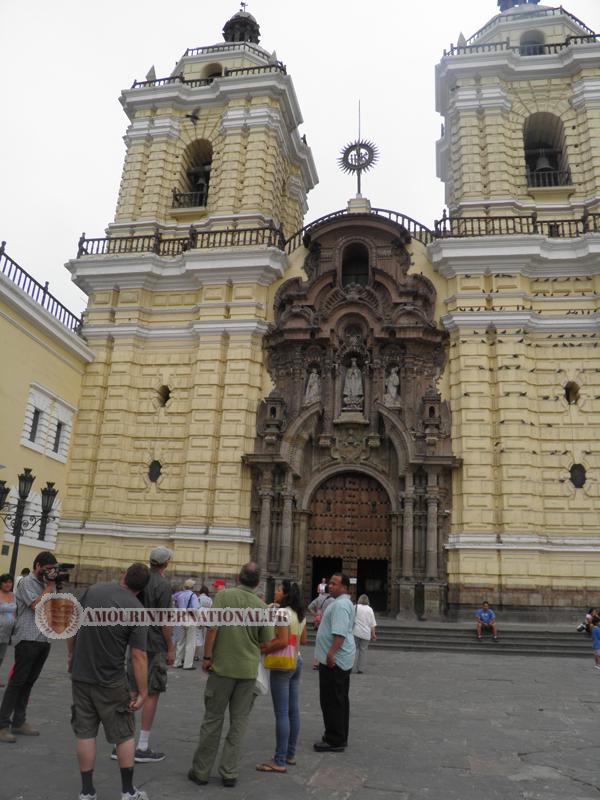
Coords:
282,657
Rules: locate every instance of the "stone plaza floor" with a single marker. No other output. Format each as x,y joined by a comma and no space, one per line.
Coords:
423,726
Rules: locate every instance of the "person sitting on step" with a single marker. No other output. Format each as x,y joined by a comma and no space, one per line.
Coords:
486,620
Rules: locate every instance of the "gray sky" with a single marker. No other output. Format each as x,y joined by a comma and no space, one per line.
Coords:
63,65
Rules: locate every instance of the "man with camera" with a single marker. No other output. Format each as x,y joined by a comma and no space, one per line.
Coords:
31,648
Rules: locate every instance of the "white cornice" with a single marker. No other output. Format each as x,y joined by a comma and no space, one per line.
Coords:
187,271
175,332
43,320
132,530
472,98
531,255
149,127
549,542
509,65
529,321
586,92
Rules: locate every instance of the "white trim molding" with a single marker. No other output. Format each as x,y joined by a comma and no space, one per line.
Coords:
135,530
549,543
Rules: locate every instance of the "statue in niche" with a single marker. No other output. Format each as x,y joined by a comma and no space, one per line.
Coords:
312,393
353,388
392,384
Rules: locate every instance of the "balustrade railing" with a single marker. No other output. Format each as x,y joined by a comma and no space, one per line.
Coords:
539,12
527,50
188,199
37,292
461,227
158,244
549,177
233,72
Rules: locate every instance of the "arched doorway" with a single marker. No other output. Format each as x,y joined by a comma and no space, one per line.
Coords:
349,529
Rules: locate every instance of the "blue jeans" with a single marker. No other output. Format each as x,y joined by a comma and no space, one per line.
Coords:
285,691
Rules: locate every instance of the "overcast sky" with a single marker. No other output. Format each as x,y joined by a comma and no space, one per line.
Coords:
63,65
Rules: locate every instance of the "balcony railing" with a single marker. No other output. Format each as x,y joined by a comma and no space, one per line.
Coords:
549,177
226,47
195,240
188,199
234,72
527,50
540,12
39,293
460,227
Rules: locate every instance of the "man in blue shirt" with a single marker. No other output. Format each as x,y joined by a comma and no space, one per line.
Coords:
335,651
486,619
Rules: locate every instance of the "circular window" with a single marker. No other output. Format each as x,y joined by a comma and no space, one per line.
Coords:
572,393
154,471
164,395
578,475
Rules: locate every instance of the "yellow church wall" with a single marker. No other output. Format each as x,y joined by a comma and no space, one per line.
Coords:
37,351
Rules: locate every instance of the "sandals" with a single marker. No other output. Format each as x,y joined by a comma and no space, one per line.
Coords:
270,767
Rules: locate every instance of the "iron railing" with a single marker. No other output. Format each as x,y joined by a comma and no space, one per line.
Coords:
193,83
527,50
460,227
188,199
158,244
226,47
38,292
540,12
549,177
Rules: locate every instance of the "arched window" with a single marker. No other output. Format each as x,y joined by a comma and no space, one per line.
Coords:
532,44
195,176
355,264
545,155
213,71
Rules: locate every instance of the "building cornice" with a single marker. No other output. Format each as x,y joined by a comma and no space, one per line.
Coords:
131,530
176,332
43,320
529,321
529,254
188,271
549,542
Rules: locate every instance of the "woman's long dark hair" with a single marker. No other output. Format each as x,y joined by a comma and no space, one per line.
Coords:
291,598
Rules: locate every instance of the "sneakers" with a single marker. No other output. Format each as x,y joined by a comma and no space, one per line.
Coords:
113,755
138,794
87,796
596,666
580,628
6,736
147,757
25,730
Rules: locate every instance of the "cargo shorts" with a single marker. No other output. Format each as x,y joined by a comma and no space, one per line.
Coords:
109,705
157,673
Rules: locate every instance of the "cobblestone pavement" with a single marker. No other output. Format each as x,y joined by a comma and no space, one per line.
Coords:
423,726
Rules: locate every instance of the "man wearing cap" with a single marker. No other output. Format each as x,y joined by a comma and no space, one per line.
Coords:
218,585
186,644
160,650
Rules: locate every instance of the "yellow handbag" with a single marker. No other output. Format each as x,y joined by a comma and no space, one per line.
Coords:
285,657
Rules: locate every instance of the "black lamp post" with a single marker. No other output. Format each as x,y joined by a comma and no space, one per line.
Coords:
15,514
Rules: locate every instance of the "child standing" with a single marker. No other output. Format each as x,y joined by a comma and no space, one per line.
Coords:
596,641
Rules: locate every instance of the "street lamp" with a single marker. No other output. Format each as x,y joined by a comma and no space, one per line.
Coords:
15,514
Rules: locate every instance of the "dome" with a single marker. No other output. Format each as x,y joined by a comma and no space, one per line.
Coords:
242,27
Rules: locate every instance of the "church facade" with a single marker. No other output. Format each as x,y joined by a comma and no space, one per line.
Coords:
416,405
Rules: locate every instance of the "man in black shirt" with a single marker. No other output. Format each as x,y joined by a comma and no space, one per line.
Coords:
96,661
161,651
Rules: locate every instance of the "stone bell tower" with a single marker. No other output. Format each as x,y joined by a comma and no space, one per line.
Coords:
181,289
519,247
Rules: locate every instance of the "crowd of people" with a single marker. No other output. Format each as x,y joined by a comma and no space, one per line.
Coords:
118,670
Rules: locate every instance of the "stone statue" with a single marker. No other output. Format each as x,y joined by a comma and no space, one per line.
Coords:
353,387
391,388
313,388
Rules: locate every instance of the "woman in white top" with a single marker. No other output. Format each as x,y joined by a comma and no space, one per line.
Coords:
364,630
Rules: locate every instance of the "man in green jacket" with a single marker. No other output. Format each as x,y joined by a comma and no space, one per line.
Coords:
231,656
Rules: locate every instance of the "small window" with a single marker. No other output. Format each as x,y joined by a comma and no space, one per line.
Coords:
213,71
154,471
58,437
35,421
164,395
578,475
572,393
532,44
355,265
431,412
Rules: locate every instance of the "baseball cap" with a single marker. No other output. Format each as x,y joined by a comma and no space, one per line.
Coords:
189,584
219,582
160,555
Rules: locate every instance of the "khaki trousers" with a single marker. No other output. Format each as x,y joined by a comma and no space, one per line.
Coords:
220,694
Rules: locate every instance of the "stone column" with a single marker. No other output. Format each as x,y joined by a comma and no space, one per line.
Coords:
266,501
394,571
285,555
432,526
408,543
303,520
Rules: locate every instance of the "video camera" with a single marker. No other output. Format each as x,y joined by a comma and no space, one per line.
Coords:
59,574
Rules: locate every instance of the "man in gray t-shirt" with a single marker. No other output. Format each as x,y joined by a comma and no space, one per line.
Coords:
96,661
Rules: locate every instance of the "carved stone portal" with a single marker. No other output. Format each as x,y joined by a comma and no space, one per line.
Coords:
355,369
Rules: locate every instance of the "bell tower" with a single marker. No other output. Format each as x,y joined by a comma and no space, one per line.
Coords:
521,106
181,291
